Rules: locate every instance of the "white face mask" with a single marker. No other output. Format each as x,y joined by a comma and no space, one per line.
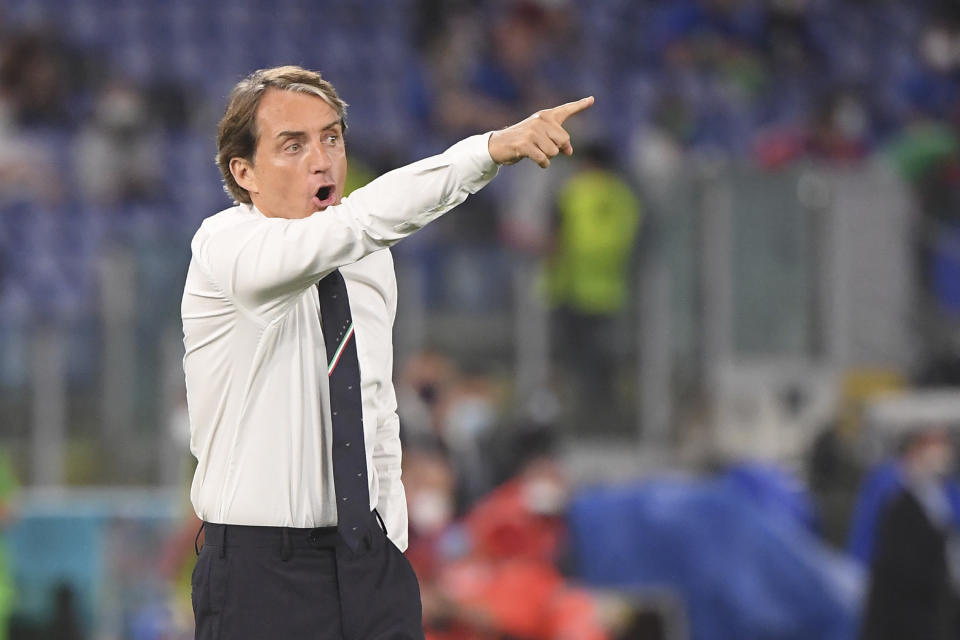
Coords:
937,49
430,510
469,418
850,118
544,497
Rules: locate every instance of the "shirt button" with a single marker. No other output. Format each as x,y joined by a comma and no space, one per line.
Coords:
334,413
346,444
360,475
345,498
350,388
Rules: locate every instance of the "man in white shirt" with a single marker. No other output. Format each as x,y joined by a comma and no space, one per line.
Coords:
292,417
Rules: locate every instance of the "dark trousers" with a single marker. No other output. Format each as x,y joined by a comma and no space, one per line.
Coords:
266,583
585,345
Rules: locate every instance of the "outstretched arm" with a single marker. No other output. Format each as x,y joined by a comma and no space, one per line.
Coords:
264,262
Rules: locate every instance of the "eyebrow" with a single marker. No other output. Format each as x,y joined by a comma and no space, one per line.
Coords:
303,134
335,123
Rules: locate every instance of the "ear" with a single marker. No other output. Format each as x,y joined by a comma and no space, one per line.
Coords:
243,173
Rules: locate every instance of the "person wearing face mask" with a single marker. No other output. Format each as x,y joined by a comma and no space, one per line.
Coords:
915,569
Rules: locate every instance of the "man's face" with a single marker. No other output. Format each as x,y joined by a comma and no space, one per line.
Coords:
300,163
933,455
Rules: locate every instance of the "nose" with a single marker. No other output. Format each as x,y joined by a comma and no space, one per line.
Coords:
319,160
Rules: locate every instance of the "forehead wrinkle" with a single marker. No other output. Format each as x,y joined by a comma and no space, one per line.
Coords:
270,108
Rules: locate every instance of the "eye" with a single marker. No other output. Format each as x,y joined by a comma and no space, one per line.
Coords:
293,147
332,139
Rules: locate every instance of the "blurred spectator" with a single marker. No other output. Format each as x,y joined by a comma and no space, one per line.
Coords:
430,484
172,104
789,39
940,40
34,77
471,413
833,471
927,155
517,442
835,464
506,78
658,153
879,485
442,407
423,388
915,568
839,129
8,490
510,577
30,86
494,573
836,132
116,151
588,278
26,171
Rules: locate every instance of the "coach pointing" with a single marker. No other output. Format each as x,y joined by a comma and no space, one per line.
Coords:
288,310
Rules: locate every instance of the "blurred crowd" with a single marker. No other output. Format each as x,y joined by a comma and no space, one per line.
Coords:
106,111
107,115
507,543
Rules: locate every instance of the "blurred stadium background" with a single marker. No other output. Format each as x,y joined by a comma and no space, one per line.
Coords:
646,384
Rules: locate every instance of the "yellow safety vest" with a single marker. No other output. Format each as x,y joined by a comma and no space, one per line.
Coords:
599,220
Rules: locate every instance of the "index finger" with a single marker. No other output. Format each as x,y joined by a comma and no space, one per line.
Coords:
564,111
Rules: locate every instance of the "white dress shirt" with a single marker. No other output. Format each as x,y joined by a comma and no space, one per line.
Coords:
255,360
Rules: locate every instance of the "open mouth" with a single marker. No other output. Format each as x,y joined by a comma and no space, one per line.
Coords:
324,196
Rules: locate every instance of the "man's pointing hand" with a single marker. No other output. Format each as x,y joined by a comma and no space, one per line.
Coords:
539,137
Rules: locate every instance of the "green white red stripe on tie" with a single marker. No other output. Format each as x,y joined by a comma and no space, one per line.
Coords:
339,352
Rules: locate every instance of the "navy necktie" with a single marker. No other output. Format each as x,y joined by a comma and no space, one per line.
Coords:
343,373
